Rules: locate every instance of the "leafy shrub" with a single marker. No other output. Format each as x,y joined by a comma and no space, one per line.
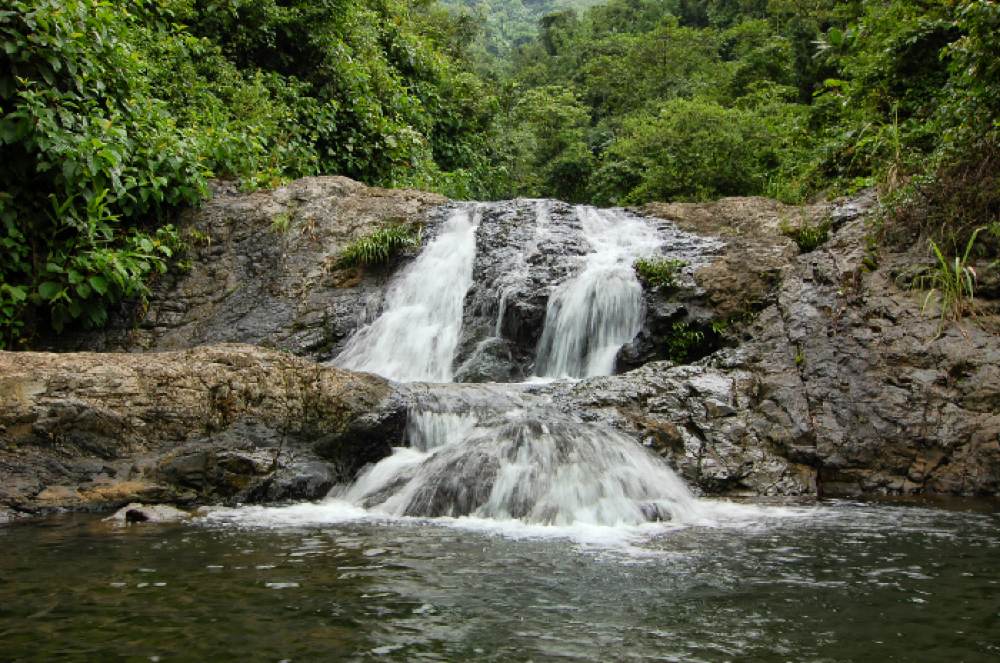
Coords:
808,236
659,272
378,247
688,150
114,114
91,165
683,341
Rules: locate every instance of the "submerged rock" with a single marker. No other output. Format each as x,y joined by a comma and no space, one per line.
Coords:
147,513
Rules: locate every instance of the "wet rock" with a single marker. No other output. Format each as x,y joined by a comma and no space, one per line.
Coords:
220,423
262,271
147,513
491,361
526,250
296,480
749,269
840,384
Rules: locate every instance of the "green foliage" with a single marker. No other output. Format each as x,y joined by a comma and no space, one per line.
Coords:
659,272
696,99
281,223
507,23
546,145
809,236
89,161
379,247
688,150
951,283
684,339
114,115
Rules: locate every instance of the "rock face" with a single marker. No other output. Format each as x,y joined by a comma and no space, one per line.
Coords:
219,423
262,271
814,373
840,384
526,250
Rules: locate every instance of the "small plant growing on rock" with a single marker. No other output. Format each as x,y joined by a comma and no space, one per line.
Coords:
683,339
378,247
198,237
659,272
808,236
952,283
281,223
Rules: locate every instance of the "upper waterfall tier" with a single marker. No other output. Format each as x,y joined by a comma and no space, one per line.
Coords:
591,316
509,290
416,335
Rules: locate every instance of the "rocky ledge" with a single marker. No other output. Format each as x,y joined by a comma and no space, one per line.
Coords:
837,381
261,269
226,423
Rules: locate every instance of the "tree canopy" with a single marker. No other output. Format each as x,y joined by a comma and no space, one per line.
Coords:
114,115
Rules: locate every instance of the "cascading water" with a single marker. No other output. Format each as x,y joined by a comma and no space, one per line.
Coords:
527,461
507,451
416,335
593,315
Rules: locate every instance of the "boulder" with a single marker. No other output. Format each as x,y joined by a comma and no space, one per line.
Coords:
220,423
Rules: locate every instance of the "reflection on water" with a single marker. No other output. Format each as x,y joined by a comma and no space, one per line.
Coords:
846,582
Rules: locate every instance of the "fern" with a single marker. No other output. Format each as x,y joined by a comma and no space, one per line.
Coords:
379,247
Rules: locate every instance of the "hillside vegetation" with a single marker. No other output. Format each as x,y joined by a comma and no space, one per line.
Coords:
114,115
507,24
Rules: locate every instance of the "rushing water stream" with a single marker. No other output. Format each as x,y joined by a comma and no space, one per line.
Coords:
598,311
416,336
508,528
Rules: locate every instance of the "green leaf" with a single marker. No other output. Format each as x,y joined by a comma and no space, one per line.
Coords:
99,284
49,290
17,293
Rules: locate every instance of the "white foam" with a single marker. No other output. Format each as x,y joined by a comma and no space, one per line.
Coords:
633,539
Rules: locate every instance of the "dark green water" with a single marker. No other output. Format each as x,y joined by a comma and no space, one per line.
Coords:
845,582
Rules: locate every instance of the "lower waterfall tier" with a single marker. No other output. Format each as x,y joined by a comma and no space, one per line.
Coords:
512,456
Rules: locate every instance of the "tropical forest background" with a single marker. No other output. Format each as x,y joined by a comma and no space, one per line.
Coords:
113,115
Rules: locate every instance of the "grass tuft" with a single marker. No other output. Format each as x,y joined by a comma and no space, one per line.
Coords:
808,236
659,272
378,247
951,283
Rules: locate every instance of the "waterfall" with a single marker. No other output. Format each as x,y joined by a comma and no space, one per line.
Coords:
494,451
416,335
593,315
507,451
